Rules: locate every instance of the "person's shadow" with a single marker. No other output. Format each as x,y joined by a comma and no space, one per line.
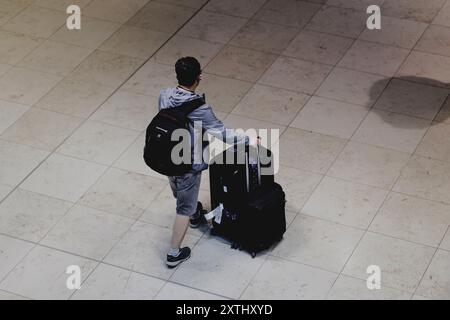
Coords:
421,99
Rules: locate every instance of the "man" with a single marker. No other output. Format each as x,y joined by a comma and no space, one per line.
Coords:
186,188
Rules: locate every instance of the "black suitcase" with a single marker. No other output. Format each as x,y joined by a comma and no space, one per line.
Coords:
253,215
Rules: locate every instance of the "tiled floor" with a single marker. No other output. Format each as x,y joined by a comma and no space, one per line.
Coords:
364,150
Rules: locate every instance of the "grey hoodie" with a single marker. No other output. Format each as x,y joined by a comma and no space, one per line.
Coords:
174,97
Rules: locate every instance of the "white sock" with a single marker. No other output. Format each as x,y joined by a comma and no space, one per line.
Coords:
174,252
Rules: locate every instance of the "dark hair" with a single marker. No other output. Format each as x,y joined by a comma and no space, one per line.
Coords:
188,69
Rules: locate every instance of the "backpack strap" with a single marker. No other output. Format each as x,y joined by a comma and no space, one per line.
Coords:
192,105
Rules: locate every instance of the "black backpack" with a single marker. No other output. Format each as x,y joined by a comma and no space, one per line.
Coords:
158,140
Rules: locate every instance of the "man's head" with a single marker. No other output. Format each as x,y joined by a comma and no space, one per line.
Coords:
188,71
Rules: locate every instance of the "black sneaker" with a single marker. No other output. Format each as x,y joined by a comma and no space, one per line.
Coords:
183,255
198,217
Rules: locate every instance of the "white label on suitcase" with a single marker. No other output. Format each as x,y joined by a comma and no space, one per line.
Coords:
215,214
218,214
225,189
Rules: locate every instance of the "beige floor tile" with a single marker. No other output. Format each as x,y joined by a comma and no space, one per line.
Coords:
181,46
172,291
288,12
309,151
240,63
435,40
370,165
443,17
42,274
436,281
427,68
151,78
11,252
425,178
229,280
123,193
9,113
412,219
134,42
63,177
30,216
338,21
318,243
161,17
98,142
411,98
132,160
348,288
223,94
345,202
36,21
26,86
17,161
294,74
330,117
56,58
402,263
419,10
445,244
396,32
4,191
16,46
391,130
87,232
255,35
374,58
444,114
127,110
354,4
41,129
245,9
4,68
271,104
106,68
61,4
10,8
92,34
284,280
214,27
113,10
4,295
352,87
318,47
436,144
75,97
112,283
267,131
298,186
194,4
144,248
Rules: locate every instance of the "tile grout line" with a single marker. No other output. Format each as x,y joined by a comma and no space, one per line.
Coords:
428,266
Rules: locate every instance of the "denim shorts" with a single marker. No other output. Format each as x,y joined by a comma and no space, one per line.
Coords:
185,189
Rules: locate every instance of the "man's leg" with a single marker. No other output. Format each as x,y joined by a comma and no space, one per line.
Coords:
179,230
186,190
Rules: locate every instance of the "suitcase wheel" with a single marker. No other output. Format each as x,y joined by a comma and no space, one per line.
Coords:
234,245
253,255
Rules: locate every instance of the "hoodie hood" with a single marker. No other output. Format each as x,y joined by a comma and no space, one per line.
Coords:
174,97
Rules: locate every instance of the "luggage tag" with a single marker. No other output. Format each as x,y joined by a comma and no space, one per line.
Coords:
215,214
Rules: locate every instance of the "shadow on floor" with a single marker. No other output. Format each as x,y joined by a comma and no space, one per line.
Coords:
419,97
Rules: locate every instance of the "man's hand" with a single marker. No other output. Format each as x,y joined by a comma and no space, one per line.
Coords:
254,141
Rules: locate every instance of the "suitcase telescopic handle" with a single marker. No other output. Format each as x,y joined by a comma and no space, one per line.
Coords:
247,164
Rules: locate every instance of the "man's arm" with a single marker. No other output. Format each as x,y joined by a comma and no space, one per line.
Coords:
216,127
